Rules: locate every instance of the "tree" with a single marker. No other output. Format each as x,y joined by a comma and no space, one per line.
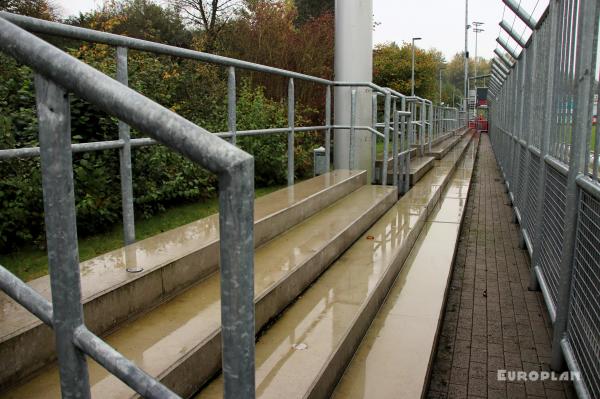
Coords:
210,16
392,67
309,9
455,70
142,19
265,33
43,9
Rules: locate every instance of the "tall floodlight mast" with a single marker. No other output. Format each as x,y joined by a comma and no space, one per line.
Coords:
477,30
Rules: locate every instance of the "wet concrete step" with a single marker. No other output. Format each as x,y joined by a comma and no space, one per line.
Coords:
419,167
394,357
440,149
464,130
306,351
172,261
180,342
379,162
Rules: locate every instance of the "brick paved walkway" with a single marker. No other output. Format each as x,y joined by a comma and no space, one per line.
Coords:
492,321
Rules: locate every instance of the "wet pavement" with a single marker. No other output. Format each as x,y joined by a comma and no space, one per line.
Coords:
492,322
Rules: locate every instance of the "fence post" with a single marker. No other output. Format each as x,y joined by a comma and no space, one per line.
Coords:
290,138
526,126
588,15
125,162
513,132
54,120
232,105
549,63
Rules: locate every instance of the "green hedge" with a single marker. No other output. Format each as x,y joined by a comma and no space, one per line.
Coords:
161,177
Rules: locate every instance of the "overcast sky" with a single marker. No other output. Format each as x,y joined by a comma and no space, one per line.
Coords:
439,22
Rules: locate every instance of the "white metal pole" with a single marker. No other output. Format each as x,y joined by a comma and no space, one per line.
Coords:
353,63
476,34
477,30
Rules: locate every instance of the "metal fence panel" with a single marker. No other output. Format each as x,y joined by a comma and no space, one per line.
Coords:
583,330
553,228
531,192
522,180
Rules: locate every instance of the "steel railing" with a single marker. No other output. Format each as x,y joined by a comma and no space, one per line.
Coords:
447,119
542,135
411,121
57,73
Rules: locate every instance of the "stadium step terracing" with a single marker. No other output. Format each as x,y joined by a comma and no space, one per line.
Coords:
328,252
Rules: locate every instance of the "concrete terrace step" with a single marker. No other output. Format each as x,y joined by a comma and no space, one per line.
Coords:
393,360
179,341
439,150
306,351
419,166
172,261
379,162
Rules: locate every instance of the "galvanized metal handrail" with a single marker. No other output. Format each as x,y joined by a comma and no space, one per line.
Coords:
125,143
58,72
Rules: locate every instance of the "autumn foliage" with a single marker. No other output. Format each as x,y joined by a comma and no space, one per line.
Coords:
267,32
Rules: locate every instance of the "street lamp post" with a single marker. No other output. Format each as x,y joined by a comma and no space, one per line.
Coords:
477,30
412,82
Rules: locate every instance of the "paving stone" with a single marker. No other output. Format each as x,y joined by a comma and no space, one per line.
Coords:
477,387
508,328
459,376
477,370
457,391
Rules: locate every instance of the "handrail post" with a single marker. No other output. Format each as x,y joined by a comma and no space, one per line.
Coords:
328,123
352,156
236,221
290,138
408,134
430,127
422,112
125,163
386,136
232,105
374,136
436,115
54,119
395,145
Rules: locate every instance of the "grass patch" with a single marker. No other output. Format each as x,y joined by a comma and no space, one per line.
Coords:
379,148
29,262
